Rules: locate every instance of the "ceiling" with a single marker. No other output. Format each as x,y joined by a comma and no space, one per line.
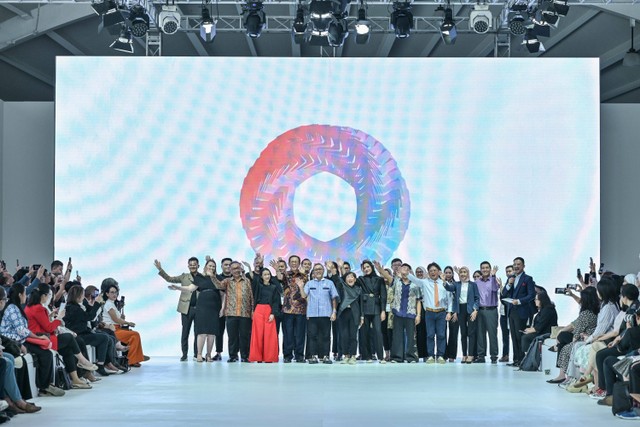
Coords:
34,32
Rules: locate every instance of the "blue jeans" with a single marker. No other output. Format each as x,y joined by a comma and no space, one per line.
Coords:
10,385
294,331
436,328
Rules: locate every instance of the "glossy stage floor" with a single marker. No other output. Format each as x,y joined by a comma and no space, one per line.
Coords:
166,392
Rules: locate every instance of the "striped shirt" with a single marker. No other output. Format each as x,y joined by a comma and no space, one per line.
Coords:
606,317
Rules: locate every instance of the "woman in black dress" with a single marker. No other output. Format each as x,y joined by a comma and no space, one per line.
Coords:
208,306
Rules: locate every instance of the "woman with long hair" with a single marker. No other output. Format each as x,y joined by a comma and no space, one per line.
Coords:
576,331
373,303
545,318
264,336
15,325
208,306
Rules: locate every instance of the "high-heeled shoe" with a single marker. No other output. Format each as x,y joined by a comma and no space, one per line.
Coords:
208,358
199,359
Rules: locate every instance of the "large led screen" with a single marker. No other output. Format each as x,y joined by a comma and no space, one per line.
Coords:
448,160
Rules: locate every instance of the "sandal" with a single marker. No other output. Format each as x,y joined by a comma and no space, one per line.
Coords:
199,359
209,359
583,381
80,386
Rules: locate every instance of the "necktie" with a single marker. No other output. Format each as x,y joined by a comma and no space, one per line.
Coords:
435,294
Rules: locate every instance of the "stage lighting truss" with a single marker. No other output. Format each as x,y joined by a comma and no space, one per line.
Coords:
480,19
169,19
402,19
255,19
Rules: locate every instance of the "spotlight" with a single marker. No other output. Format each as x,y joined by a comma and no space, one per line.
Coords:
363,26
480,19
320,16
169,19
532,43
207,27
124,43
541,28
402,19
517,24
299,29
138,20
448,29
561,7
112,18
632,57
255,20
338,31
550,16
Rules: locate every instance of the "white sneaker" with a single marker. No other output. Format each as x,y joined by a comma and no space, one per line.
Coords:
430,360
441,360
3,405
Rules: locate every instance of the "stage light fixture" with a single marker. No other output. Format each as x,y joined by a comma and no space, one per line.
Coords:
561,7
169,19
632,57
113,18
550,16
402,19
517,24
124,42
338,31
255,20
299,28
480,19
448,29
532,43
138,20
321,13
540,28
363,26
207,26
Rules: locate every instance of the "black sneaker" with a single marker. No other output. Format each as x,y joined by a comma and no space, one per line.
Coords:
287,360
479,360
217,357
326,360
232,360
183,358
300,360
494,360
314,360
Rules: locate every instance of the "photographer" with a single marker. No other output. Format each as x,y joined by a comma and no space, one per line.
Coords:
111,315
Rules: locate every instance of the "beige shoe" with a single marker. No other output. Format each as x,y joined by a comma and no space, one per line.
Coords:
352,360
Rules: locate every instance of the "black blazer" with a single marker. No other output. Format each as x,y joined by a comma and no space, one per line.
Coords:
75,318
545,319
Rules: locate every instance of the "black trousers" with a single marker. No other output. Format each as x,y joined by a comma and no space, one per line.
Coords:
421,336
516,324
348,333
403,346
504,328
111,344
294,331
467,332
610,374
319,329
239,332
102,344
219,338
386,333
336,348
451,351
188,322
43,363
601,356
372,337
68,348
634,378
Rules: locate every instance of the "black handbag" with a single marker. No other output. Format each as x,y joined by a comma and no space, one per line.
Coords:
11,346
62,379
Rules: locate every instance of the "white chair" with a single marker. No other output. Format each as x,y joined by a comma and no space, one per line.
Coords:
548,362
91,352
31,369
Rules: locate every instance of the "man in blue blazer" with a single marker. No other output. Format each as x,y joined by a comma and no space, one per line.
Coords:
520,310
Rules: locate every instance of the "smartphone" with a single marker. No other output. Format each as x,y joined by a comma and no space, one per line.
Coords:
601,270
579,273
572,286
586,277
560,291
36,267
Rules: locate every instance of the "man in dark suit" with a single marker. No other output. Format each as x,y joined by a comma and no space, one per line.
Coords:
520,310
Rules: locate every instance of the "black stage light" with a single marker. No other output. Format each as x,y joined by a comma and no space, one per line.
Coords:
448,29
124,42
402,19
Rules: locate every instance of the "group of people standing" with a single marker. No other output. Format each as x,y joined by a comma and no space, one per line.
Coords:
377,315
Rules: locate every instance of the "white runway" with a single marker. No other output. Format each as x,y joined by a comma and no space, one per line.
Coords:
166,392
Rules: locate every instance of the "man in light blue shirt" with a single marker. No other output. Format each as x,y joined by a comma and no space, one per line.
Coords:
438,304
322,302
